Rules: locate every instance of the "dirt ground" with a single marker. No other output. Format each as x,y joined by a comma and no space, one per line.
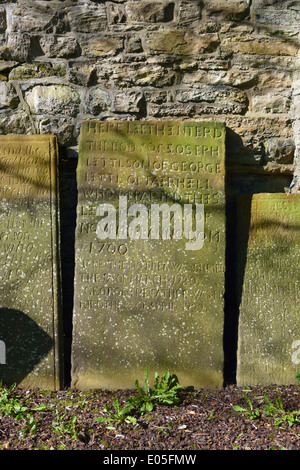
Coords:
202,420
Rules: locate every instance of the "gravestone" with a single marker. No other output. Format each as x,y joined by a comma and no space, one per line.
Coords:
30,298
269,289
149,283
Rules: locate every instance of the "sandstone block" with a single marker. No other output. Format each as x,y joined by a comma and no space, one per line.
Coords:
53,99
102,45
87,18
98,100
181,42
8,96
128,101
268,273
149,301
32,18
229,10
18,47
35,70
271,102
150,11
261,46
30,313
59,46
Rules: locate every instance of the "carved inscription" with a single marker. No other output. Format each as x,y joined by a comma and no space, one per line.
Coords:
269,325
145,296
29,264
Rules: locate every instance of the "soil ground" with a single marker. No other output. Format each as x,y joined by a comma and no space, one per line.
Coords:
203,420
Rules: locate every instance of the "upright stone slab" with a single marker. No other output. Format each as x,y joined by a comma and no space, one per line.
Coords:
154,301
29,262
269,274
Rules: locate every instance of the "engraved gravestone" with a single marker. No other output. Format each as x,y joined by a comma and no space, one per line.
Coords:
29,262
268,268
150,243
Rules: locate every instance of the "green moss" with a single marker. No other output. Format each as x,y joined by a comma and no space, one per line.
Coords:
37,70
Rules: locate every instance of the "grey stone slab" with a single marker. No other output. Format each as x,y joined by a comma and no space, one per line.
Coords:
269,289
146,298
30,300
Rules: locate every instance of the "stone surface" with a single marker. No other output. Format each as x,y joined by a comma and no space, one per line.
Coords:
262,46
237,61
102,45
98,100
233,58
150,12
37,70
49,99
88,18
152,301
269,288
30,273
128,102
59,46
8,96
181,42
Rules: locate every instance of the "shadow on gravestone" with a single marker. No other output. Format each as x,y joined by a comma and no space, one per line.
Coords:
243,180
25,344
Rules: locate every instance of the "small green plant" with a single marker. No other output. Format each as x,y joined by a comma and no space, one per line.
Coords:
212,416
30,426
281,416
119,415
165,392
250,412
10,405
65,428
274,409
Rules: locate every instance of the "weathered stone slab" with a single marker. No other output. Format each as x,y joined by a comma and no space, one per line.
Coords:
29,262
268,271
148,298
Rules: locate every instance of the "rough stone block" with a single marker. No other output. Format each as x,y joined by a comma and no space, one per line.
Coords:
53,99
30,269
181,42
260,46
59,46
146,296
269,289
229,10
88,18
8,96
33,19
150,12
98,100
271,102
18,47
128,101
36,70
102,45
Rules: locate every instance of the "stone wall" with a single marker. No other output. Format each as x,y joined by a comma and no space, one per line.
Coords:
62,61
236,61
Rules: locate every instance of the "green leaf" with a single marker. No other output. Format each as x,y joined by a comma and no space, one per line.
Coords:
40,407
102,419
131,420
149,406
239,408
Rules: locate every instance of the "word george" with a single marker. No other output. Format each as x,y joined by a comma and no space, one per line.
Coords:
158,227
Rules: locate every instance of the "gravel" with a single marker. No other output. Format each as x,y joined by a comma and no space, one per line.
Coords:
204,419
